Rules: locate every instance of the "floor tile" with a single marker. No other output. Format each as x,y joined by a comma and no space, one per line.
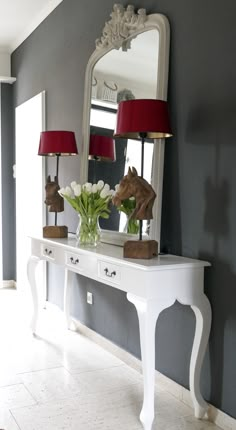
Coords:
35,357
50,384
167,405
86,356
15,396
112,379
110,411
8,375
60,380
191,423
7,421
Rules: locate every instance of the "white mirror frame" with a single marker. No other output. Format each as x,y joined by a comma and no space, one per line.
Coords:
104,45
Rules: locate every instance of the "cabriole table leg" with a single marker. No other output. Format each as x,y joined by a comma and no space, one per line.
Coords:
148,312
67,296
202,310
31,267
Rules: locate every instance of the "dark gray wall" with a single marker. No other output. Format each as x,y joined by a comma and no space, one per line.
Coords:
199,204
8,185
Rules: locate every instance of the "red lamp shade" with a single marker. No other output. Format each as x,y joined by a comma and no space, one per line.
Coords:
143,116
57,143
102,148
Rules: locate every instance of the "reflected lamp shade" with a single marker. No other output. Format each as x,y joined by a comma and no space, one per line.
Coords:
57,143
102,148
143,116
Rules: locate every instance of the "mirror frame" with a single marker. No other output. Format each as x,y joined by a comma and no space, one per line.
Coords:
103,46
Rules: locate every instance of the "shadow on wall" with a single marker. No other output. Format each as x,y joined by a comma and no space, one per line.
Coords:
222,345
213,121
207,125
220,284
171,231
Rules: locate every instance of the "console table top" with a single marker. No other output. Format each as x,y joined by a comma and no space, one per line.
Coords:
115,254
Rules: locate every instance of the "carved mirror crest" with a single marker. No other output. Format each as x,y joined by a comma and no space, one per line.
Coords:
130,61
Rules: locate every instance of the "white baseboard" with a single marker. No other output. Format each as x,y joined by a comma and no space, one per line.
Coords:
214,415
8,284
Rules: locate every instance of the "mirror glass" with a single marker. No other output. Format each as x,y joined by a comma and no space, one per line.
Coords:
119,75
114,75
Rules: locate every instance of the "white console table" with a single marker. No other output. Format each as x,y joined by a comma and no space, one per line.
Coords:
151,285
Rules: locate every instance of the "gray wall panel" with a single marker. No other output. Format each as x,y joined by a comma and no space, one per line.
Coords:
199,202
8,183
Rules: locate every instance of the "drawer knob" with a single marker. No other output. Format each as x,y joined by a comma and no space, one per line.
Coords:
109,274
76,261
47,251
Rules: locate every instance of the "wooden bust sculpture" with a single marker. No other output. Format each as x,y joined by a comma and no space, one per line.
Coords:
55,204
133,185
136,186
53,199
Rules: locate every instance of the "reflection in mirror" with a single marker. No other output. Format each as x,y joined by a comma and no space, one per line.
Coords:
121,75
128,74
108,171
123,68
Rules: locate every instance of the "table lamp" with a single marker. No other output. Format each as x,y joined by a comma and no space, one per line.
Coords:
102,148
141,119
56,143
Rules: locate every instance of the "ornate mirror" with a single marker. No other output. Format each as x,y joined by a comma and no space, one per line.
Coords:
130,61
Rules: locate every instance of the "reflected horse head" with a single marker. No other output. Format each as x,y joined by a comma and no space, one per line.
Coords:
53,199
133,185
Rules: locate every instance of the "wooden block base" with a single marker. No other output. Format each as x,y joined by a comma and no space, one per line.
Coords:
55,231
140,249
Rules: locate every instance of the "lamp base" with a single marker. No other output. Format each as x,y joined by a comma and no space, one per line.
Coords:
55,231
145,249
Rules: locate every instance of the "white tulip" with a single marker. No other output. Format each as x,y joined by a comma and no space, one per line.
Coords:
112,192
104,193
88,187
77,190
106,187
132,198
94,188
100,185
68,191
61,191
73,184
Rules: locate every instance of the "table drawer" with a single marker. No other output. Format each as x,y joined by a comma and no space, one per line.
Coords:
81,263
48,251
109,272
74,260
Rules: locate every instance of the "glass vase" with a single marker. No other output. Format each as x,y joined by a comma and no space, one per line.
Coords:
131,226
88,230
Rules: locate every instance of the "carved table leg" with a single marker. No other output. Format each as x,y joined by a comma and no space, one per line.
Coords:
67,296
148,312
202,310
31,267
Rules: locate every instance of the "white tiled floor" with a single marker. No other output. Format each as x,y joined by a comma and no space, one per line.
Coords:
60,380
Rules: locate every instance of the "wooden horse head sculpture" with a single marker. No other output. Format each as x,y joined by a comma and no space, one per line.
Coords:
138,187
53,199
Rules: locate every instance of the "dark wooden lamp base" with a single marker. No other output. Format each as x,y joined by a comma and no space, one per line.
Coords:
145,249
55,231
